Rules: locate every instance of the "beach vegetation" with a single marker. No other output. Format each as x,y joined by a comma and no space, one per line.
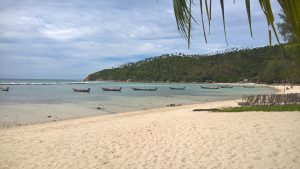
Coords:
266,108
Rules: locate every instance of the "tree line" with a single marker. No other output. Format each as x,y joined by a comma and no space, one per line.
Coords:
263,65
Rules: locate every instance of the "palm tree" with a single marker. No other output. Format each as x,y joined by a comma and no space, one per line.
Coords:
184,16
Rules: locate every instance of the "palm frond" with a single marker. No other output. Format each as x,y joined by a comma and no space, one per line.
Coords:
291,9
203,27
190,24
209,15
181,12
223,16
247,2
184,17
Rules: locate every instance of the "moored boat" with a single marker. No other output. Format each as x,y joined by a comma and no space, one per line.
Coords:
177,88
145,89
249,86
206,87
111,89
226,86
81,90
6,89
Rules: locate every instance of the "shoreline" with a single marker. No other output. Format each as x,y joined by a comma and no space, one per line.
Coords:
206,105
169,137
54,117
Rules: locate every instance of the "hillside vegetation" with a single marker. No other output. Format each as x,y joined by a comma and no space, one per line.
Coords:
264,64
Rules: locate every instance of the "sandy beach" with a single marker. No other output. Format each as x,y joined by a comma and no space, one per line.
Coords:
172,137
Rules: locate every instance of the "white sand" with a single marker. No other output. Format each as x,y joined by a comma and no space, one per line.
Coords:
174,137
288,89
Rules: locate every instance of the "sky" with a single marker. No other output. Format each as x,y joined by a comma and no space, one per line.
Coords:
54,39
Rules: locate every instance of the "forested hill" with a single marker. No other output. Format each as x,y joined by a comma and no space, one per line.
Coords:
264,64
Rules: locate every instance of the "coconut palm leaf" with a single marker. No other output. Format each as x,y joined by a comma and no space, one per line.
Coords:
184,17
223,16
209,16
190,24
291,9
181,12
208,13
203,27
247,2
266,7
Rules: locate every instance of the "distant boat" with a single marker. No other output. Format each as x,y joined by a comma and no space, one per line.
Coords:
144,89
81,90
6,89
111,89
177,88
226,86
249,86
78,82
206,87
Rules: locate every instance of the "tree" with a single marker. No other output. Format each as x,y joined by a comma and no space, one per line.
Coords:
286,29
184,16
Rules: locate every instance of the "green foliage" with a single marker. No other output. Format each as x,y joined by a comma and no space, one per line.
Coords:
267,108
259,64
292,11
286,29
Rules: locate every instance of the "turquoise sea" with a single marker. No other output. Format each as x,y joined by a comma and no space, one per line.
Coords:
60,91
34,101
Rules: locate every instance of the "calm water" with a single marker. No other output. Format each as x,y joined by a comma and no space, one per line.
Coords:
60,91
36,101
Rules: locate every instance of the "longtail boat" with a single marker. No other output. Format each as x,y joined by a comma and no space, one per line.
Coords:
81,90
206,87
111,89
6,89
177,88
249,86
226,86
144,89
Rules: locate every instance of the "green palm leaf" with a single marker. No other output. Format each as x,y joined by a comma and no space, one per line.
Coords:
190,24
184,17
291,9
209,16
249,15
223,16
203,27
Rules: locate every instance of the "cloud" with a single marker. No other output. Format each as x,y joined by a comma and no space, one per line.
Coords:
72,38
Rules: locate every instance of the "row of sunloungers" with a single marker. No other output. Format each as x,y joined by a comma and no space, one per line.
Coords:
273,99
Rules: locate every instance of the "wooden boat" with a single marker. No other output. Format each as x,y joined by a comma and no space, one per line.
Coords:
177,88
144,89
81,90
6,89
111,89
249,86
206,87
226,86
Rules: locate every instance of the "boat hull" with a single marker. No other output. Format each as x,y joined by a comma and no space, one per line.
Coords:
142,89
81,90
112,89
203,87
177,88
5,89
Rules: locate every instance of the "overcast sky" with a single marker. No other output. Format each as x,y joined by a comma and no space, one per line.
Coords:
69,39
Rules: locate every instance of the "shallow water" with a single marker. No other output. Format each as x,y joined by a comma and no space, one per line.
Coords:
61,92
33,100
